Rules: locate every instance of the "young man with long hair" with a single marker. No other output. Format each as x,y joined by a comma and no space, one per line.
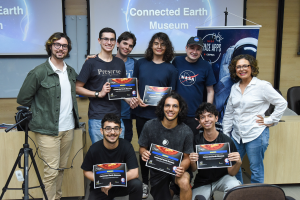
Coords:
153,70
168,130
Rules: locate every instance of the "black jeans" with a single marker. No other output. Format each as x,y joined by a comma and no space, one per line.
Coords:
128,129
134,189
140,122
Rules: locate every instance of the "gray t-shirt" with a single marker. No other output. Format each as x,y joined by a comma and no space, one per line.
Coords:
179,138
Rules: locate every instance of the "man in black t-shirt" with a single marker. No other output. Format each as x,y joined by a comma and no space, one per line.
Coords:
112,150
92,82
209,180
169,131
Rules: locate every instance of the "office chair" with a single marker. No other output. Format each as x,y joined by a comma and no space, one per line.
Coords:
257,191
293,99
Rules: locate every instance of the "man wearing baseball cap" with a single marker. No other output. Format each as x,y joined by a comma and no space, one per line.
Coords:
195,75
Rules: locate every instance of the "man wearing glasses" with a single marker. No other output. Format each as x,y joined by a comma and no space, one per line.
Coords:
49,90
92,83
112,150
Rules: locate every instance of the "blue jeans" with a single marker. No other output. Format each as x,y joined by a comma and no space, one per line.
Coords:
94,130
256,153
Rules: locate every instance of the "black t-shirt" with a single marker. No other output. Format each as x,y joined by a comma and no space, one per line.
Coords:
152,74
179,138
208,176
98,154
94,74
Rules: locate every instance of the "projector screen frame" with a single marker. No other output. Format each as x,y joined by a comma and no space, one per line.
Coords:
142,55
42,55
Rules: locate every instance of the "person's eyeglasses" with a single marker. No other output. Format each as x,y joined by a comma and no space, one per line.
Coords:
108,129
169,105
112,40
238,67
58,45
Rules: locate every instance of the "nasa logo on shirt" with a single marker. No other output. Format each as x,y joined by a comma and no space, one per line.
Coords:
165,142
187,78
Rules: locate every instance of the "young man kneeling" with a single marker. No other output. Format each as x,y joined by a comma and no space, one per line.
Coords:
112,149
209,180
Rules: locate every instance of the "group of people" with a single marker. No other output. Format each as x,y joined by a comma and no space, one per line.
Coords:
50,90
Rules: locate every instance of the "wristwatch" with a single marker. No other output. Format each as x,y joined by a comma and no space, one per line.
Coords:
96,94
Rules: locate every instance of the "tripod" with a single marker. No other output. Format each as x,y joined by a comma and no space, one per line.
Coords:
27,152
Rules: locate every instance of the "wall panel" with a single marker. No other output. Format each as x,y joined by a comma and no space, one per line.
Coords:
290,61
265,13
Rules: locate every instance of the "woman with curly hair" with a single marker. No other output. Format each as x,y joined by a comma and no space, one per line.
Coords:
249,99
153,70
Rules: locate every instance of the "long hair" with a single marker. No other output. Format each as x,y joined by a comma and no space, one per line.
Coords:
182,106
253,64
169,53
53,38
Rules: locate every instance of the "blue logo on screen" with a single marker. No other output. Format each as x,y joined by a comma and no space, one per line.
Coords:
196,39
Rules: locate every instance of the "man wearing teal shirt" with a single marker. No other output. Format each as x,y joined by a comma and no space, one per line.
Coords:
125,43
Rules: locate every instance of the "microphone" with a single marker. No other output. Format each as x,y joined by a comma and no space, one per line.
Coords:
200,197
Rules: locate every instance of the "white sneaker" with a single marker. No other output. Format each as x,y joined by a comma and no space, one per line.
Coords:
145,191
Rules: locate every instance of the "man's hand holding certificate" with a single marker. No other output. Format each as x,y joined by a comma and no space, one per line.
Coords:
164,159
110,174
122,88
153,95
213,155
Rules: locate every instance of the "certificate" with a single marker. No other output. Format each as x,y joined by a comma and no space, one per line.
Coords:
114,173
122,88
213,155
164,159
153,95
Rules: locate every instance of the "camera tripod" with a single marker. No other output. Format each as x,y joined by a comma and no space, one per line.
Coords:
26,151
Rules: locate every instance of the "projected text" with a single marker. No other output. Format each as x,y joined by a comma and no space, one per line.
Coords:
11,11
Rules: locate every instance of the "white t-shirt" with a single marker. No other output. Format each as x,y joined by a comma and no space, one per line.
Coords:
66,117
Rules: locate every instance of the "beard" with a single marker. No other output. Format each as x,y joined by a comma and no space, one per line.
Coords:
171,119
59,58
104,136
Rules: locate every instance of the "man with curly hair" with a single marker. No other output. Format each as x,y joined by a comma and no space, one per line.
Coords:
49,90
211,179
195,76
153,70
169,131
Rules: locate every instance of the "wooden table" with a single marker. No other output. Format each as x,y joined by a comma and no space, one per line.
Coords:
282,158
10,144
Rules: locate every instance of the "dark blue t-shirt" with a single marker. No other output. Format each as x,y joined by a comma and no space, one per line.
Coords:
94,74
192,80
150,73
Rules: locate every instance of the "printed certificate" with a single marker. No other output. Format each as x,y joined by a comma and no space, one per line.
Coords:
213,155
114,173
164,159
153,95
122,88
